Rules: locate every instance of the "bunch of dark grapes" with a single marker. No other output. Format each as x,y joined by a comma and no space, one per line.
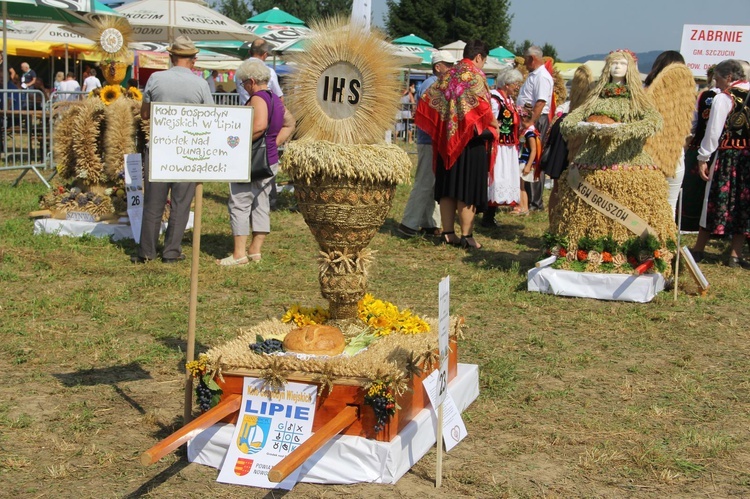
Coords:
383,409
204,394
381,414
267,346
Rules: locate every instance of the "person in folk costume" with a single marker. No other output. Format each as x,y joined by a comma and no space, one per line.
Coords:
693,186
614,124
503,186
457,114
421,210
726,209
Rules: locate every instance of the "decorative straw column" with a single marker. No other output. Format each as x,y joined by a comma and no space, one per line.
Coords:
346,93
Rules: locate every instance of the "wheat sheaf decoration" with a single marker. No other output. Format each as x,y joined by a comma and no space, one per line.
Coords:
112,37
345,88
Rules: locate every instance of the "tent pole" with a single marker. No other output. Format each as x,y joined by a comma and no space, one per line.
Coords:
5,50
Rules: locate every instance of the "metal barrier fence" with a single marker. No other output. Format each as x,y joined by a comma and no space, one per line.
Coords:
25,132
405,129
226,99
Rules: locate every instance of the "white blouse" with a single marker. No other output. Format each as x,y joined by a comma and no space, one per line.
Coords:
720,110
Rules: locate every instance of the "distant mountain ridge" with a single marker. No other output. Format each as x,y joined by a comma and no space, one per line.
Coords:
645,59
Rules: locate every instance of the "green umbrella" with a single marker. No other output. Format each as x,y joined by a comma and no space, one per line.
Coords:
412,40
276,16
502,53
282,30
416,46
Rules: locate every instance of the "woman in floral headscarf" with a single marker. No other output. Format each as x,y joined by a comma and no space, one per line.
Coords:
457,114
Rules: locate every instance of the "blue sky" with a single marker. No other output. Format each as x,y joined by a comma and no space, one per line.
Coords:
581,27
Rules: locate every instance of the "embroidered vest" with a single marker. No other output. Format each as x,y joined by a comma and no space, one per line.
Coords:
736,138
704,109
508,120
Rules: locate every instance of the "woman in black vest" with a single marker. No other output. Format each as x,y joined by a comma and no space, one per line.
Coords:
693,186
727,207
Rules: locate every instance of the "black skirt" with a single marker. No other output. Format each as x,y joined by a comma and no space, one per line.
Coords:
467,180
555,152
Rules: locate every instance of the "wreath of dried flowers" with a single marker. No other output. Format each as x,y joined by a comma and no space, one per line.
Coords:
605,255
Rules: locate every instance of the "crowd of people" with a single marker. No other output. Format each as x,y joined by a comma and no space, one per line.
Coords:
487,147
478,149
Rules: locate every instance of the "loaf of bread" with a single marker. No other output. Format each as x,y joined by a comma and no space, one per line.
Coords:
315,339
600,118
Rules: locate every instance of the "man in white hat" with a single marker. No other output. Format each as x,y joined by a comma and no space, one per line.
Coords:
176,85
421,210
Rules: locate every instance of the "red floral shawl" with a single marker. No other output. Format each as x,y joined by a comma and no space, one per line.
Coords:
453,108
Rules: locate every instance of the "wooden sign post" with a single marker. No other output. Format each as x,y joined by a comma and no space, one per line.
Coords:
444,294
198,143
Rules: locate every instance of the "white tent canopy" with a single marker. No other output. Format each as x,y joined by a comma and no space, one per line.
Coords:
595,67
164,20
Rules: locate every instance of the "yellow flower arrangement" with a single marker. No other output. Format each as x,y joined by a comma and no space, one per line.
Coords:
135,94
382,316
303,316
198,367
385,318
111,93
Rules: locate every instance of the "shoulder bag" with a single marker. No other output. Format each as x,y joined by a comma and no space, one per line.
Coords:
259,167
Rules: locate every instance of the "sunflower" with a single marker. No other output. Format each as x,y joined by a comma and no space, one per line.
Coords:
135,94
111,93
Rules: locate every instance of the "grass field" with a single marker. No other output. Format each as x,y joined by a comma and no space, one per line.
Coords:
579,398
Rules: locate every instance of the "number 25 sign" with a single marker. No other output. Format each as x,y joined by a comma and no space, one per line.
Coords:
444,293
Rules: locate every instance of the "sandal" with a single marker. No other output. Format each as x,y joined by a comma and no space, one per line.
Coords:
445,238
231,262
520,213
466,244
253,257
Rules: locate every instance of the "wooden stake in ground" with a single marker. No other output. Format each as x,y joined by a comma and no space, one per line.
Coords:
193,311
444,295
439,464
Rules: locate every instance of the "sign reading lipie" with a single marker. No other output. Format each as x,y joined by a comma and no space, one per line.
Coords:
200,143
271,424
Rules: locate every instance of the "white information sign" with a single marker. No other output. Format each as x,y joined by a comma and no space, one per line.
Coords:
200,143
270,425
134,193
444,325
705,45
454,429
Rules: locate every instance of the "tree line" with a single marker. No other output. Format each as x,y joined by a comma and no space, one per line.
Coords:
438,21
